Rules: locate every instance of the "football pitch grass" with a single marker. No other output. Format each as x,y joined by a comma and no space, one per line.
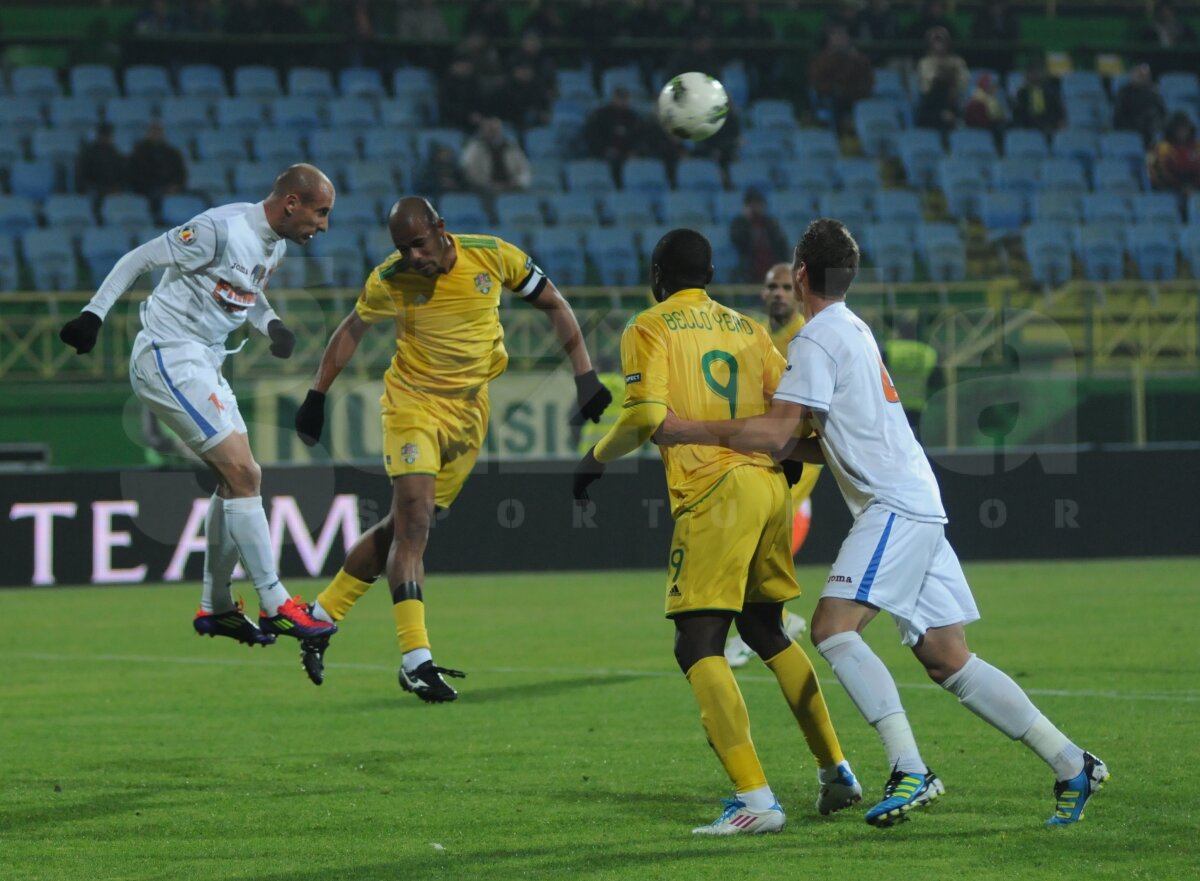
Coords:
131,749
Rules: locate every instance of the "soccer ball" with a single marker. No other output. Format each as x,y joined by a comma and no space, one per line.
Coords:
693,106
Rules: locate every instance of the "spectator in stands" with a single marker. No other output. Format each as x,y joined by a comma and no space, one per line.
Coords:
1139,105
493,163
531,50
1175,163
358,27
1166,28
1038,103
722,147
614,131
995,21
159,166
101,168
156,18
461,99
932,15
545,20
598,24
487,17
420,20
757,237
490,73
698,53
525,100
287,18
249,17
876,21
840,75
440,173
942,80
983,109
647,19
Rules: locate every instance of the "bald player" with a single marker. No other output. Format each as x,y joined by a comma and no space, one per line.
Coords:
216,270
441,292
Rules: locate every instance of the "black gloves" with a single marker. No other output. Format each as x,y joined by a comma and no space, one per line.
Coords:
587,472
80,332
792,470
592,397
282,339
310,418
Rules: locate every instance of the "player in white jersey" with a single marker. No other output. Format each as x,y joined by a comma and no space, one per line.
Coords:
216,270
896,557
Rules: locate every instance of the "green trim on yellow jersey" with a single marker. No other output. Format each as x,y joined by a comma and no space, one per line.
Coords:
479,242
708,492
646,401
387,270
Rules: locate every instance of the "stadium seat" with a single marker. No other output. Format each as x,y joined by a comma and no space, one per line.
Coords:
1017,175
11,148
766,151
417,87
352,114
371,177
132,114
337,144
9,265
408,78
920,152
125,210
574,210
902,207
1062,175
242,116
401,113
464,211
851,208
630,210
1056,207
1082,146
300,115
795,209
183,117
20,114
890,84
877,123
217,145
292,273
256,82
541,142
178,208
50,255
773,114
1115,176
1156,208
254,180
963,182
1002,210
77,115
1048,250
208,178
358,211
60,146
614,254
1154,249
69,211
803,174
393,145
1108,209
148,81
339,257
942,250
972,143
1101,252
730,203
748,174
361,82
726,265
702,175
1025,144
689,208
736,81
1091,114
547,177
558,252
589,175
575,84
205,82
817,145
36,180
314,83
629,76
1126,146
519,211
452,138
1190,245
641,175
1082,85
279,146
16,216
889,252
34,81
1179,88
96,82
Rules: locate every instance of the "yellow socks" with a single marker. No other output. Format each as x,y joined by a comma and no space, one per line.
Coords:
342,593
802,691
409,611
723,714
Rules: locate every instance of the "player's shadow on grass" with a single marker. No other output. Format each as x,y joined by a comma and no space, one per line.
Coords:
542,688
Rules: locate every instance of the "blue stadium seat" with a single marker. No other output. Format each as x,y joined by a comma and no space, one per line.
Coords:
1126,146
371,177
817,145
748,174
725,256
547,177
69,211
296,114
217,145
401,112
352,113
877,123
184,117
703,175
11,148
1193,208
60,146
519,211
1156,208
50,254
849,207
629,76
125,210
1018,175
179,208
1091,114
1062,175
361,82
773,114
314,83
379,245
1082,85
795,210
730,203
451,137
96,82
901,207
37,179
963,181
22,115
391,144
1026,144
648,237
589,175
208,178
690,208
9,265
1190,245
243,116
575,84
464,211
1048,250
205,82
1082,146
920,152
77,115
256,82
34,81
281,147
417,87
943,252
129,114
1101,252
641,175
1179,87
16,216
1002,210
972,143
558,252
339,257
630,210
408,78
1154,249
802,174
1109,209
541,142
614,254
574,210
736,81
767,151
250,178
1057,207
889,253
337,144
148,81
890,84
358,211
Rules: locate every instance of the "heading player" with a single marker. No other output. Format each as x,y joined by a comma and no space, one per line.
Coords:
896,557
441,291
730,555
217,267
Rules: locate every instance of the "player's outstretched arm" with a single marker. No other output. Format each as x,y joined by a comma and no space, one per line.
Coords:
590,393
773,432
310,418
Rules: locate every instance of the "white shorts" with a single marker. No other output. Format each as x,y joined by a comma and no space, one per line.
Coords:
905,567
182,385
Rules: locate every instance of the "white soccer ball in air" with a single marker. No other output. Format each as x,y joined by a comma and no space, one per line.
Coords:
693,106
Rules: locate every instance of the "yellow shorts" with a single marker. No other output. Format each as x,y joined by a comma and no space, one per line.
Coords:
734,546
429,434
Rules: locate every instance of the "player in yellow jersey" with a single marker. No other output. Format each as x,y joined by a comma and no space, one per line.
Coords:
442,294
730,558
784,321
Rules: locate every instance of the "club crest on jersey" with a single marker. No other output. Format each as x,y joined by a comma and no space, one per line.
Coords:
483,283
258,273
186,234
408,453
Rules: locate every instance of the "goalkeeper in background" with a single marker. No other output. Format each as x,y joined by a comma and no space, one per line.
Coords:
730,558
441,292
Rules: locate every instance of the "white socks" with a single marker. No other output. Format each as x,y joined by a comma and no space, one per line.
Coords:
220,559
873,691
414,659
1053,748
318,612
761,799
247,524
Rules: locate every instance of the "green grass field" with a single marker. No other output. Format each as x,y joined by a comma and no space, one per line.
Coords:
132,749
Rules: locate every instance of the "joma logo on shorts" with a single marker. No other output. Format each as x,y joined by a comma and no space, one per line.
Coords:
839,579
